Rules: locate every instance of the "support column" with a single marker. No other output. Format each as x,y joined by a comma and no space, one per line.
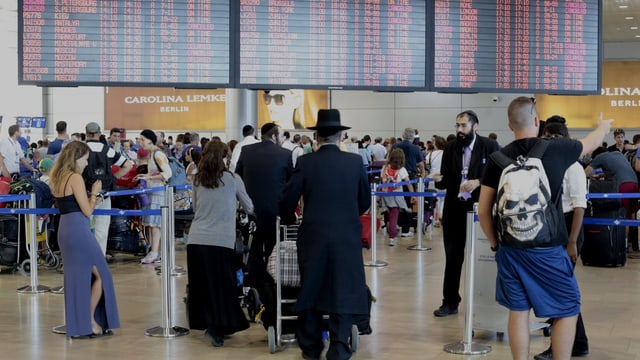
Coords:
242,109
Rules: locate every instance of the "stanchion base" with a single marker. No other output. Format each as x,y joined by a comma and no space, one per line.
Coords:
159,331
463,348
60,329
28,289
419,248
178,271
377,263
57,290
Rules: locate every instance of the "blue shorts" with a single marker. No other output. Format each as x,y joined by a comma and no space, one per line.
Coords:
538,278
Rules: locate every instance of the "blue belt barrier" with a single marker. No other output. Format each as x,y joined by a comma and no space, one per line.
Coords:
374,171
401,183
49,211
184,187
615,222
134,191
613,196
408,193
16,197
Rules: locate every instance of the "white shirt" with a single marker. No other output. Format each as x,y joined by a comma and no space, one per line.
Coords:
379,152
235,156
435,161
296,153
288,145
574,188
12,153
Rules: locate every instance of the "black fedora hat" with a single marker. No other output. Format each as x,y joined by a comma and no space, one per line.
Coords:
328,120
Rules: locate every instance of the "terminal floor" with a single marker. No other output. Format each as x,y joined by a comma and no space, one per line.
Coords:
408,290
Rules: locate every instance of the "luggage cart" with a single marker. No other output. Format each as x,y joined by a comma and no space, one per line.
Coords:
275,339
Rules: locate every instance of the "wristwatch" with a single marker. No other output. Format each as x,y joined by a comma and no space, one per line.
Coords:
495,248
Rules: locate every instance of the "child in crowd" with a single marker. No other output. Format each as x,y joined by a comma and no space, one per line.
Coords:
45,166
393,172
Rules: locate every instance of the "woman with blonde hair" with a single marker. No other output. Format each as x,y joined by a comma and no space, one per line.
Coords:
89,296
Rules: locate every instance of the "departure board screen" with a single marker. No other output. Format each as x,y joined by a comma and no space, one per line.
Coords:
124,42
549,46
350,44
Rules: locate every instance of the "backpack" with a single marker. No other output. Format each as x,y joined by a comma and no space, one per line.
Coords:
44,197
524,214
99,168
178,173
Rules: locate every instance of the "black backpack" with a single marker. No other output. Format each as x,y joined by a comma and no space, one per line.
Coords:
99,168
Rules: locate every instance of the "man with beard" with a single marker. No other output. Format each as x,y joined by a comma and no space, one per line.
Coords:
463,163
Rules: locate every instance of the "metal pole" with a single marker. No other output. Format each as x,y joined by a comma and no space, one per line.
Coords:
34,288
419,246
166,330
466,346
176,270
374,214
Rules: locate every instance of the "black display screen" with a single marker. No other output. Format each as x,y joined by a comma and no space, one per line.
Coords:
344,44
548,46
135,42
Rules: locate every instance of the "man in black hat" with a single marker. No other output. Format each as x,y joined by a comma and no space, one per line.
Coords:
265,168
101,157
335,189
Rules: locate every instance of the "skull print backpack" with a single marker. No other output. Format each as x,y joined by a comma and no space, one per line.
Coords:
524,214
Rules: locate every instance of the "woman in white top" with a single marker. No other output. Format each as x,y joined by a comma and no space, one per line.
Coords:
434,163
193,158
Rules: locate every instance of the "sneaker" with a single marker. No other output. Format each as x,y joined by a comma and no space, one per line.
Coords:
445,310
633,254
393,242
151,257
407,234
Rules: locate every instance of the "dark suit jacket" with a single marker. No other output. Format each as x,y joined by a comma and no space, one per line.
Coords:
335,190
265,169
451,168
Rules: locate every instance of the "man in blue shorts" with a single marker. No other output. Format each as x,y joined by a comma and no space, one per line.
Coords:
539,277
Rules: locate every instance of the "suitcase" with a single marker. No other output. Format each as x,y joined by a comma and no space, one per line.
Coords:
605,245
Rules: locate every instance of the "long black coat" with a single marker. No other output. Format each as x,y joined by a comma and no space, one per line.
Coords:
335,190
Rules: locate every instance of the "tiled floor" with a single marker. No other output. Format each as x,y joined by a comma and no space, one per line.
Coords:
408,290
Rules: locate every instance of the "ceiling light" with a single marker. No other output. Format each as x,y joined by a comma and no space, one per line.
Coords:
623,6
629,18
634,28
638,36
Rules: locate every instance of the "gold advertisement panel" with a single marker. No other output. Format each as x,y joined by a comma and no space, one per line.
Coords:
619,99
291,109
164,108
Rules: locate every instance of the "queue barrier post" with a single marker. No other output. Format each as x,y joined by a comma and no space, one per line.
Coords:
166,329
176,270
374,214
467,346
34,287
419,246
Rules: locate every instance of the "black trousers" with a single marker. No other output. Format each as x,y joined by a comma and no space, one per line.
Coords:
633,230
580,342
309,334
454,233
262,244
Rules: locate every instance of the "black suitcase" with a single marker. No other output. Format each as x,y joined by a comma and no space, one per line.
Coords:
604,245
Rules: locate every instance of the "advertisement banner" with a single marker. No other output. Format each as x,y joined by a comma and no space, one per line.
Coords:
164,108
619,99
291,109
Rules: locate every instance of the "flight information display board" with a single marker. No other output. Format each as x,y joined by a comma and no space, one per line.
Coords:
122,42
549,46
343,44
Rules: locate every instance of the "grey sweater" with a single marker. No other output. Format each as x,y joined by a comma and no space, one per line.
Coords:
214,222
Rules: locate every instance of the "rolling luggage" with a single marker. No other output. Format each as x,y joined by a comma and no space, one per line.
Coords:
604,245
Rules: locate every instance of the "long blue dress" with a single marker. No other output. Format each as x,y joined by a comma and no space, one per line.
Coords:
80,252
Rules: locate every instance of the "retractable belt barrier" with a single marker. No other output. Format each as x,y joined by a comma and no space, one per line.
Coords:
420,216
168,269
614,222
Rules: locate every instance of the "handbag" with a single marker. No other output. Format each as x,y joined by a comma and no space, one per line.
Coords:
182,200
289,270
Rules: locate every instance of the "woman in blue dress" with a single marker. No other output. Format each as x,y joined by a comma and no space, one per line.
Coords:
89,295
